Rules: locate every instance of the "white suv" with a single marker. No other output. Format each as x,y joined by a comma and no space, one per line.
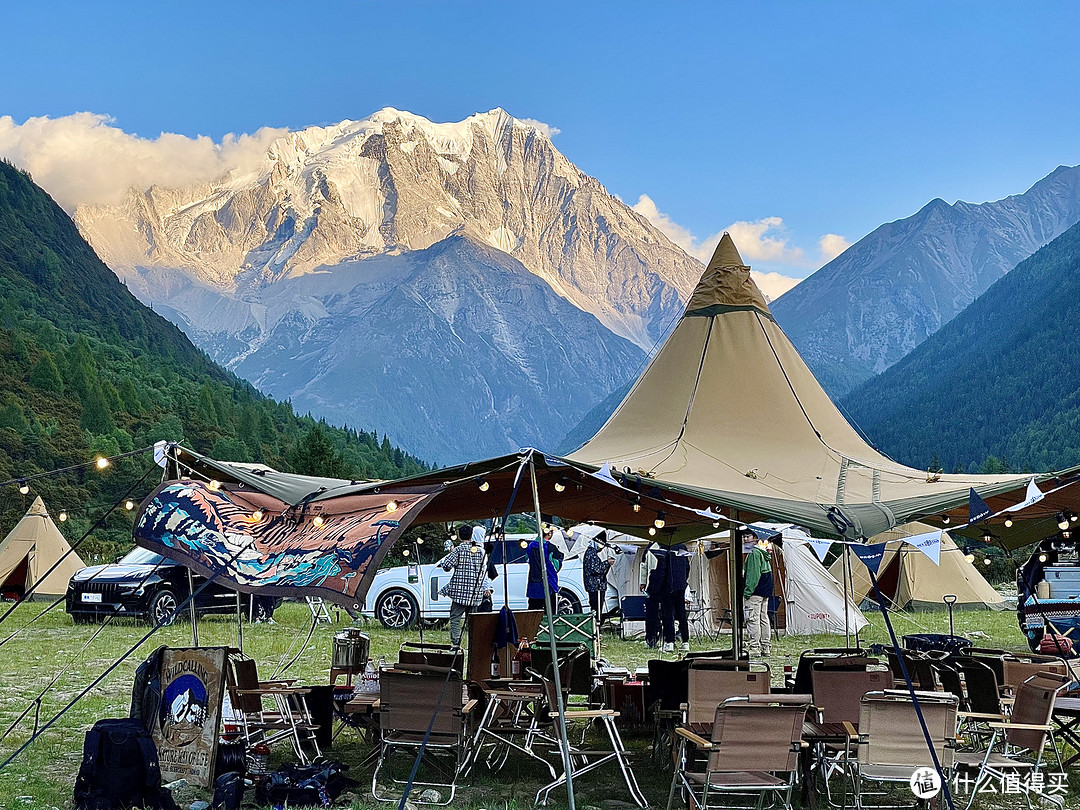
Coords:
398,602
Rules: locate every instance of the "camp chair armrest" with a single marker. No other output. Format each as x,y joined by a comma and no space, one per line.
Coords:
274,690
981,716
468,707
850,731
1022,726
585,714
696,739
272,683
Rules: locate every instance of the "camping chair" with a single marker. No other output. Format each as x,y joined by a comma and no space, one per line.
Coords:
668,685
753,748
632,609
582,761
983,700
441,656
571,629
891,742
993,658
838,695
1017,671
801,684
1023,738
424,715
711,681
270,711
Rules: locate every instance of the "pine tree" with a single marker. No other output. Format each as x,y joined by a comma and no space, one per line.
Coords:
45,376
96,418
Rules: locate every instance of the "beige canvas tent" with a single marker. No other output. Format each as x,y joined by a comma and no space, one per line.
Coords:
909,579
30,550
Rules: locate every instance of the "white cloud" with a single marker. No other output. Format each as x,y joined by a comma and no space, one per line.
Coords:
773,284
84,158
764,241
545,129
832,245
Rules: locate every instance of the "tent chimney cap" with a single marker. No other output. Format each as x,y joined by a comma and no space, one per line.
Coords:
726,284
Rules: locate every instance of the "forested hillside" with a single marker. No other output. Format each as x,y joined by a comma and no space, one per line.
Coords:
86,370
999,382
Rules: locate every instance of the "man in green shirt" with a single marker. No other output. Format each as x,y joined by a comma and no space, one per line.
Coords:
756,593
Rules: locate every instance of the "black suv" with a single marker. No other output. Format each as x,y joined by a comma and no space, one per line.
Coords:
145,585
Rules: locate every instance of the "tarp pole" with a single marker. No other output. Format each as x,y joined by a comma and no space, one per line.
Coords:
240,622
734,591
564,746
191,608
847,630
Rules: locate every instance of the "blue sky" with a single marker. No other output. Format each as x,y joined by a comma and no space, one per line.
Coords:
808,118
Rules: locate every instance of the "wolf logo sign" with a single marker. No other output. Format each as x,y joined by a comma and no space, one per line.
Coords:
186,731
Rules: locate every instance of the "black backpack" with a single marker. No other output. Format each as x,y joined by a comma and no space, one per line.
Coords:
120,769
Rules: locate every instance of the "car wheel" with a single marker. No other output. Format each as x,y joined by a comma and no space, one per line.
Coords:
397,609
567,602
163,607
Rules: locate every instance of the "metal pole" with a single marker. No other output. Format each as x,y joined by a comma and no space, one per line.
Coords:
239,623
560,703
734,591
191,608
847,630
423,591
847,594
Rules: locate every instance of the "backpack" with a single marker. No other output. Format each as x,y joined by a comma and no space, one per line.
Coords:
146,689
314,785
120,769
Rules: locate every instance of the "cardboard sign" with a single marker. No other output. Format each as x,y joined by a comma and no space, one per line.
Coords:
186,728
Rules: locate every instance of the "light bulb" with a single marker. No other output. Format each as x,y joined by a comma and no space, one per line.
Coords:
214,485
63,517
101,462
945,519
1008,523
524,544
391,506
969,557
419,541
257,514
405,553
1072,517
23,487
716,525
318,520
484,485
1063,522
652,530
129,505
987,561
637,506
659,522
559,486
1042,558
987,538
474,549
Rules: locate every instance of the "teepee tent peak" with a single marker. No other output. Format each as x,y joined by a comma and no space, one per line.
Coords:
726,284
38,508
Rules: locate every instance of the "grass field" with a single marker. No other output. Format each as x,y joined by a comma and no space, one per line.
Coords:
42,776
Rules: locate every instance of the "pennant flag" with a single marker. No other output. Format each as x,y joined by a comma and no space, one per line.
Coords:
820,546
870,556
1033,496
928,543
977,508
604,473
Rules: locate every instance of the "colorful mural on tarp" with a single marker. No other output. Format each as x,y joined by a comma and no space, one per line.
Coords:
328,548
186,728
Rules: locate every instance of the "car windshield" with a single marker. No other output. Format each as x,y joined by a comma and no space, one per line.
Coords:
141,556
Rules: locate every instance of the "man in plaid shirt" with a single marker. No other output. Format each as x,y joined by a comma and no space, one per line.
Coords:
468,585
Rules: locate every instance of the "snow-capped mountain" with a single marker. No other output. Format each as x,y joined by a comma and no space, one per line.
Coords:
367,266
891,290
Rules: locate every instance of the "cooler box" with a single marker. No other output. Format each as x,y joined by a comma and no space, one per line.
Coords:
1064,581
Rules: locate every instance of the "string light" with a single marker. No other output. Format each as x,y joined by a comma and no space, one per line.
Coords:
101,462
129,505
24,487
637,506
318,520
405,552
659,522
1062,521
1072,517
524,544
1008,523
484,485
945,519
63,517
969,557
257,515
560,486
652,530
419,541
987,561
391,506
214,485
1042,558
987,537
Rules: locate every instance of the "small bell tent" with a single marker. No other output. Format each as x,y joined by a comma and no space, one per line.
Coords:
30,549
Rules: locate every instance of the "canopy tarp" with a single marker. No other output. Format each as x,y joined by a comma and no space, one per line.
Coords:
31,548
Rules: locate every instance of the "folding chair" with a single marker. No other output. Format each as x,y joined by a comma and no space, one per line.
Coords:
668,685
440,656
801,684
270,711
891,741
583,761
1023,737
422,714
753,748
711,681
632,609
571,629
1017,671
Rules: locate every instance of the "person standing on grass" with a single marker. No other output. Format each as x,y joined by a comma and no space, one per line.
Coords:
534,589
467,587
673,598
756,594
594,573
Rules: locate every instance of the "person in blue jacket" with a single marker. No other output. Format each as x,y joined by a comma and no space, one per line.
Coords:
534,589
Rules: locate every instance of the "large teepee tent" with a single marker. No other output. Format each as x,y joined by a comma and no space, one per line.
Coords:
909,579
30,550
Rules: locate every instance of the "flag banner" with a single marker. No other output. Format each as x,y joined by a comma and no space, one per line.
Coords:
821,547
977,508
870,556
1033,496
604,474
928,543
256,543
